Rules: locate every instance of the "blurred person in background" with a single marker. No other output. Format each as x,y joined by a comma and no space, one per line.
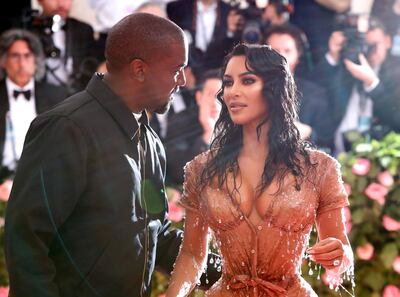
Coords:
365,93
210,26
316,19
72,54
189,131
315,119
22,95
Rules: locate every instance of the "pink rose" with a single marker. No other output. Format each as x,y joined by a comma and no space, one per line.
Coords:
4,291
365,252
361,167
385,179
347,216
5,190
391,291
390,224
376,192
396,264
347,187
175,213
162,295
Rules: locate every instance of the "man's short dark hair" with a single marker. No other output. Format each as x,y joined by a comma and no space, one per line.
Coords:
140,36
206,75
8,38
290,30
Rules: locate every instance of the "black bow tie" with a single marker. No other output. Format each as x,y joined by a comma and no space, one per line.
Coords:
27,94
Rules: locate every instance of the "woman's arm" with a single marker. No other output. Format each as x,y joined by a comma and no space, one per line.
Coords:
190,262
333,251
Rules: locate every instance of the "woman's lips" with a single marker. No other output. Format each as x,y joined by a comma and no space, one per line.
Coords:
236,106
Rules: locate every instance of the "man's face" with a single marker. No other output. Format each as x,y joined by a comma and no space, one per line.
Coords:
286,46
206,98
165,77
19,63
53,7
380,44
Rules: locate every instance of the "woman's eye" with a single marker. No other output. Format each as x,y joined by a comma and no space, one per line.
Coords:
248,81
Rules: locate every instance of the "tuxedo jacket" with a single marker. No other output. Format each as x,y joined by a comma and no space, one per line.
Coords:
182,12
81,46
46,96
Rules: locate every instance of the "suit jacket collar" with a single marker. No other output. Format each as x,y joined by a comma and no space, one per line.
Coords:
114,105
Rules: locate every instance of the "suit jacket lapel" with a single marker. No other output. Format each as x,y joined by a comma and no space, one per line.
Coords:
4,107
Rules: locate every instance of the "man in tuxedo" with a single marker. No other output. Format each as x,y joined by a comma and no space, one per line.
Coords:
22,95
87,214
364,94
72,54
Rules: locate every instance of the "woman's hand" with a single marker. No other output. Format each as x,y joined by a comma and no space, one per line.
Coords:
328,252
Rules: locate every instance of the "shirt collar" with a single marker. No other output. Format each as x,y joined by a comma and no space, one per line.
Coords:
201,8
11,86
114,105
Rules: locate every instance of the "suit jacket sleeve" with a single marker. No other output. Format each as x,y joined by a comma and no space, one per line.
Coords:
387,104
50,178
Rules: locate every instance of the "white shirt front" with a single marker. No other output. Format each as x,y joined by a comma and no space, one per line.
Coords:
59,68
205,23
18,120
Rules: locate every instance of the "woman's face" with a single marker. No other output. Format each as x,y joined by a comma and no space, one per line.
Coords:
243,93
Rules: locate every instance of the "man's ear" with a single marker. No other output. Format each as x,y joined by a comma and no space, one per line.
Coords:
138,69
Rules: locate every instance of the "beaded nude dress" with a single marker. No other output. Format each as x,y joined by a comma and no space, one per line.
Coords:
263,258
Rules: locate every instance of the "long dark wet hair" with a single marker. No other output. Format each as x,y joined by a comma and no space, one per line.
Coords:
285,146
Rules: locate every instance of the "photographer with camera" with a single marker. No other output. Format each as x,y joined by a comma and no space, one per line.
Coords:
69,45
362,82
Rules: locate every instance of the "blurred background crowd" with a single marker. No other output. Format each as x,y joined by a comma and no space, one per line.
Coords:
344,56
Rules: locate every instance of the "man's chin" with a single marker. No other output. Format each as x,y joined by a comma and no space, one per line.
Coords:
163,109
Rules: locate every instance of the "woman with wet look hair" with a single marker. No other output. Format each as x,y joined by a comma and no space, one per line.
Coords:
260,189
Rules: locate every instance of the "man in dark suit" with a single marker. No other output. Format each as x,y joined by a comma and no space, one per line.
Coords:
22,96
365,94
191,129
211,26
314,115
72,54
87,213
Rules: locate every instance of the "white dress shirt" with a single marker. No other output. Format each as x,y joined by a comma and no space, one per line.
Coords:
205,24
60,69
18,120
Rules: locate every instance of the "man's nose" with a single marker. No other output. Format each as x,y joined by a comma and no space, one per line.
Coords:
181,79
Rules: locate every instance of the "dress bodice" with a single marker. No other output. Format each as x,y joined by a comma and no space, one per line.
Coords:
262,257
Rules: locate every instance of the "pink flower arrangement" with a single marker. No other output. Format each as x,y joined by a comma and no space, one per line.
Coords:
376,192
175,212
396,264
385,179
390,224
5,190
4,291
347,188
365,252
361,167
391,291
347,216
